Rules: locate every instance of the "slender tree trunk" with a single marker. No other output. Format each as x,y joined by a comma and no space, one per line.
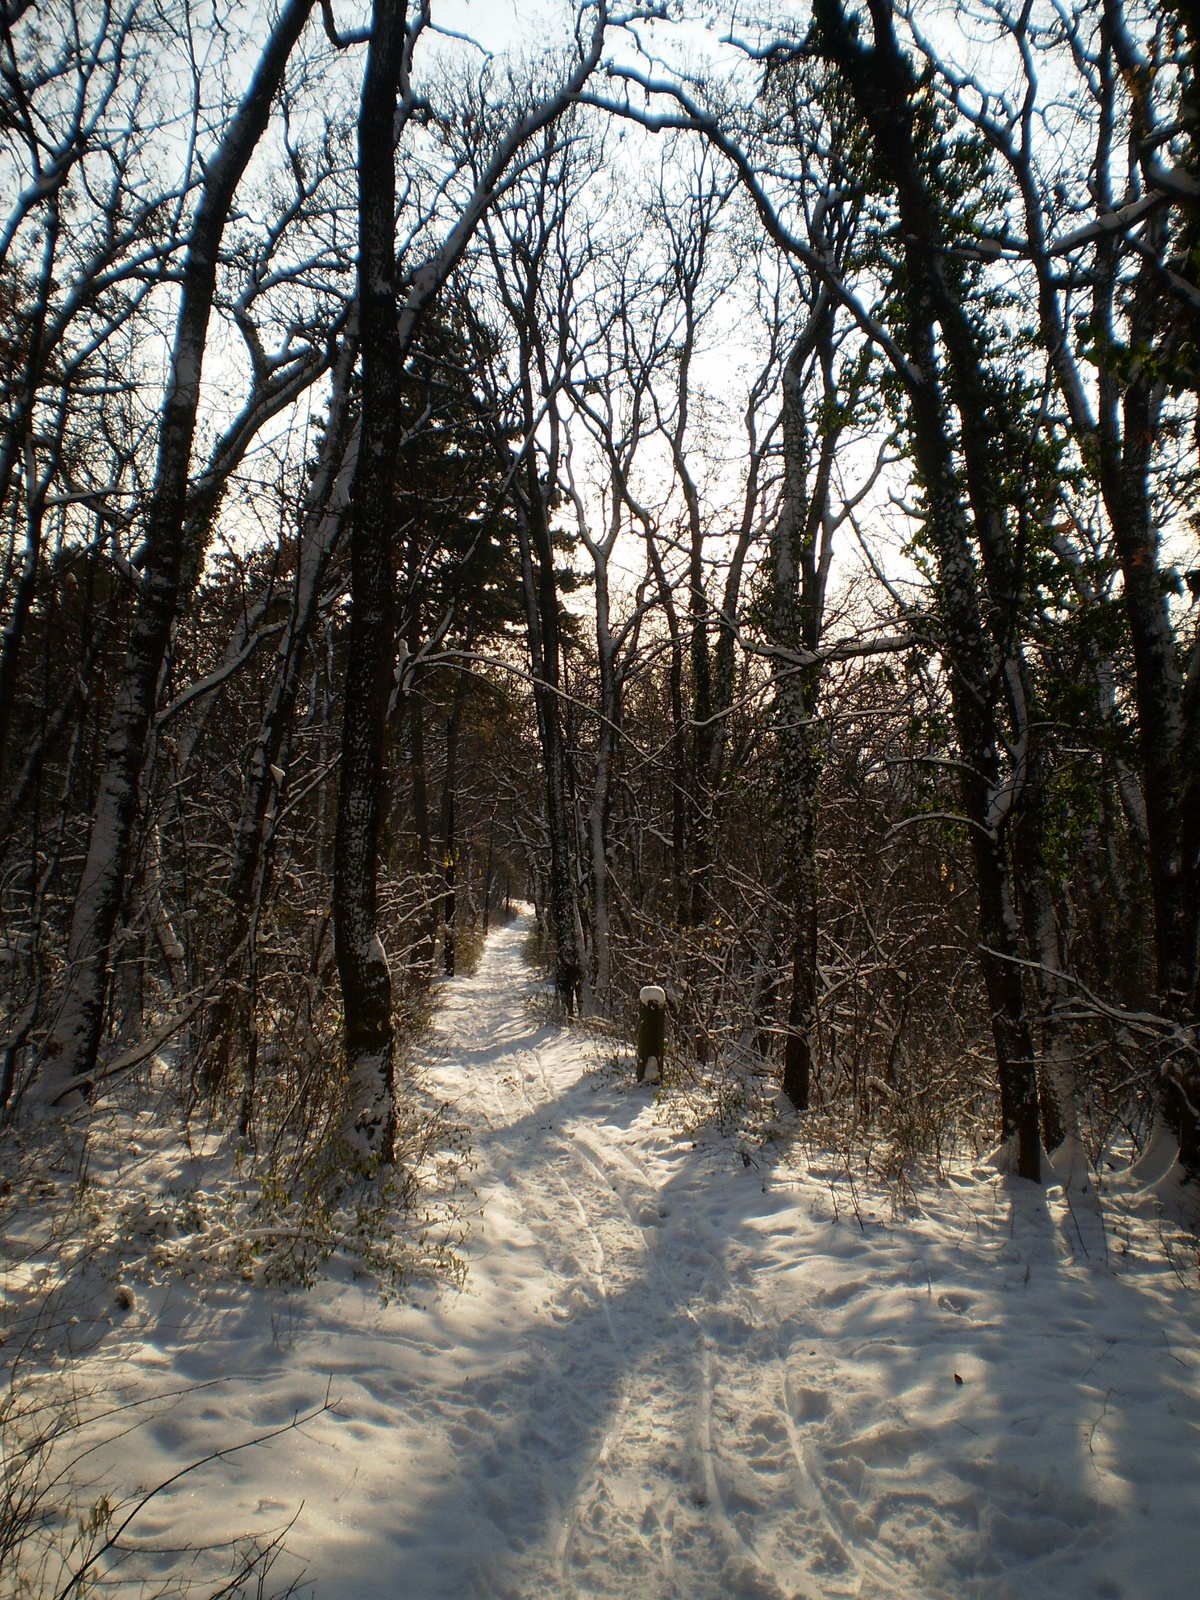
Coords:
694,796
579,841
329,497
56,726
362,965
606,757
678,740
724,651
1057,1087
703,851
19,436
799,773
487,876
71,1055
422,952
22,603
881,81
257,899
1168,730
796,630
449,840
541,610
423,949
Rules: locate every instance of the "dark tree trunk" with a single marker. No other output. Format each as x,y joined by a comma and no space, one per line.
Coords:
606,760
1117,435
18,438
449,840
422,951
798,581
725,651
703,852
56,726
328,499
692,787
880,80
487,876
71,1055
1168,718
802,895
362,964
1116,426
541,605
679,753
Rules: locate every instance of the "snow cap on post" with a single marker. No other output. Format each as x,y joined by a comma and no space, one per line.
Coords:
652,1030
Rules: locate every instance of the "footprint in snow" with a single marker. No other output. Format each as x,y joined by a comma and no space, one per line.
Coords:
957,1303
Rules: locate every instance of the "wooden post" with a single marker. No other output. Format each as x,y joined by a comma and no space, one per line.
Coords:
652,1032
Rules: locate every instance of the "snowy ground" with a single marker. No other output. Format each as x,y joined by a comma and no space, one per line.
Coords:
675,1374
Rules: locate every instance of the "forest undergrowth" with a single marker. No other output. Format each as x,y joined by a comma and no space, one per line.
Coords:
155,1185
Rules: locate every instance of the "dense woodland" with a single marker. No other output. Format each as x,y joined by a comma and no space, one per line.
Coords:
723,474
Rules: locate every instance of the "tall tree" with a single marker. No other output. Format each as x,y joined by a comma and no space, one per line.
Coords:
1142,304
71,1054
982,650
362,963
531,256
389,104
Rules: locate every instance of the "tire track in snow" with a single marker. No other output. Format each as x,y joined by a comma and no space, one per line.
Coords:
612,1202
540,1186
732,1535
613,1175
598,1270
587,1161
668,1361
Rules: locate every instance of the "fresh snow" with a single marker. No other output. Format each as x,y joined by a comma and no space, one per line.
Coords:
678,1369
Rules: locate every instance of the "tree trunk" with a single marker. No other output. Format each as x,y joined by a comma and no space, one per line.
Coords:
362,965
423,949
18,439
881,81
606,757
678,739
796,628
1118,438
579,838
329,497
799,769
703,851
71,1055
449,841
724,652
1168,721
541,610
487,875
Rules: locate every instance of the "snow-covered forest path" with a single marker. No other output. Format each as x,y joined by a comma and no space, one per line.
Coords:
675,1374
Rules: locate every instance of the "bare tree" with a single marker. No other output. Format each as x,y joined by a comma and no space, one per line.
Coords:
390,102
534,272
72,1051
1139,294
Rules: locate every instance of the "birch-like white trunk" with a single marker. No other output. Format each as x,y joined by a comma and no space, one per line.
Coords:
71,1054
